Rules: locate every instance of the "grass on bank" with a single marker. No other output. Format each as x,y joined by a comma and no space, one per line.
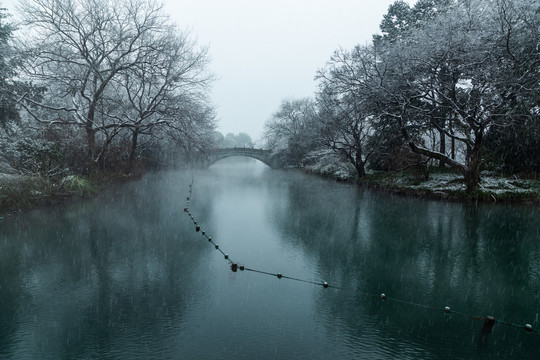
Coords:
442,183
446,184
22,192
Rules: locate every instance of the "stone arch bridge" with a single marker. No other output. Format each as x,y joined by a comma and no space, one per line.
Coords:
264,156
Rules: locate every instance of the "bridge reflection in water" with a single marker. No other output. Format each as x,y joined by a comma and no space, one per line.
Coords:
264,156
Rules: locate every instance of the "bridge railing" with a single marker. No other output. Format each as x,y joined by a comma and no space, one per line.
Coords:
240,149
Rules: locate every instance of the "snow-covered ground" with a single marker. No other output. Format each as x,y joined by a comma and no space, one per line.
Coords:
443,184
329,164
449,182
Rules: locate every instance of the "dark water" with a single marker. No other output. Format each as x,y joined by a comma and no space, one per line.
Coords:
126,276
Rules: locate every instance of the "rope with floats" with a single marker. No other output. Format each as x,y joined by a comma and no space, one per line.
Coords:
489,321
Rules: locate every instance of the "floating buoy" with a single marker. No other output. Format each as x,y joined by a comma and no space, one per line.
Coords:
489,322
487,327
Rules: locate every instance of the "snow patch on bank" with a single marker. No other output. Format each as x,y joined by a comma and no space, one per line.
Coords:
329,164
448,182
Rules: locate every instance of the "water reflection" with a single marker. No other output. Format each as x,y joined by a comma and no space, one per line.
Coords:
99,279
126,276
475,258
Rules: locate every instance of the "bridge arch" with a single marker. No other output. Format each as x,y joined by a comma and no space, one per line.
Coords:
264,156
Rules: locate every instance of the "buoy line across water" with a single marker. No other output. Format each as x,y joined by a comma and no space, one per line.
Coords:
489,321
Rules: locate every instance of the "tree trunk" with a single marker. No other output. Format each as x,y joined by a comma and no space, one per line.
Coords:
452,142
91,137
360,169
91,151
133,149
359,164
100,158
472,169
472,179
442,147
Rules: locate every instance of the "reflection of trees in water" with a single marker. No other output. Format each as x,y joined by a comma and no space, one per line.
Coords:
476,259
108,272
11,292
145,295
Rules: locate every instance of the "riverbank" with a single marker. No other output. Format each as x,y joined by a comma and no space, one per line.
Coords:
23,192
451,186
19,192
442,184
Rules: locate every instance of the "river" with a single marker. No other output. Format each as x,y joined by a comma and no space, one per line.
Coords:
126,276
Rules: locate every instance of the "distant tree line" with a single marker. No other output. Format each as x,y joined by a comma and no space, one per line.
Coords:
454,83
231,140
92,85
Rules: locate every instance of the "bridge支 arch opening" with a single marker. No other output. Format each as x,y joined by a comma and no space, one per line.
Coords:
264,156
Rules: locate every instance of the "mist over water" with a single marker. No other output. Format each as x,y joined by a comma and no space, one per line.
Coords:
125,275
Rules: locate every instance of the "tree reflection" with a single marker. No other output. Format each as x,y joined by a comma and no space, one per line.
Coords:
120,270
473,258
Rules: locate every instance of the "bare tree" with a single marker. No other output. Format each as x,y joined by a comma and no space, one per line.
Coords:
157,90
290,128
79,48
347,106
194,127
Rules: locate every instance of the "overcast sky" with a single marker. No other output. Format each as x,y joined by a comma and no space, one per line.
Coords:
264,51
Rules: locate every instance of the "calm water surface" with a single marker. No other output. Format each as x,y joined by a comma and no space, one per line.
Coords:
126,276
